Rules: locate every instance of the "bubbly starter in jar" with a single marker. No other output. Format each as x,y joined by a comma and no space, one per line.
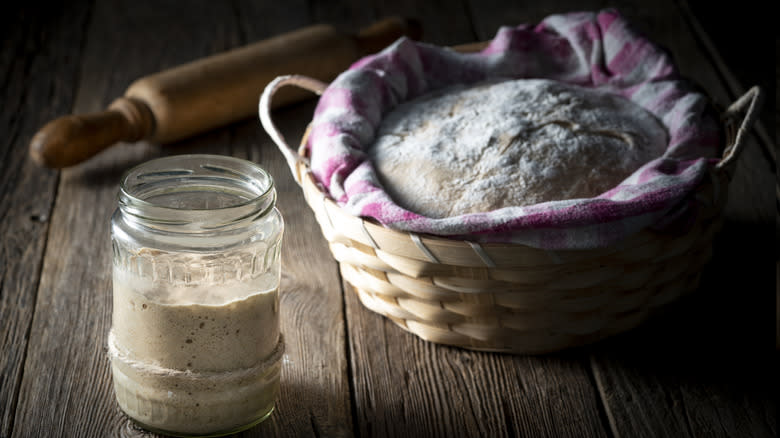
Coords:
194,356
195,343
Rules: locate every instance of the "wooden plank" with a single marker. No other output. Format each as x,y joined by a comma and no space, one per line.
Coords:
39,63
694,373
404,386
73,315
128,40
314,399
346,15
445,23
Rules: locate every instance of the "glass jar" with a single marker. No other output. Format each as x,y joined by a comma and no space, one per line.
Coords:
194,345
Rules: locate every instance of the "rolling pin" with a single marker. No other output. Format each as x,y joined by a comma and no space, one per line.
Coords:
211,92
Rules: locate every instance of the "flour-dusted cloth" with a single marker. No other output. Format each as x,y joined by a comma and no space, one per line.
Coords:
599,50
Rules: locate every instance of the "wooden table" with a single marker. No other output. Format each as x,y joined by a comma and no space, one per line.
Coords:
707,367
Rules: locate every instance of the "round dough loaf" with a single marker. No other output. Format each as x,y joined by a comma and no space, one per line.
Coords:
470,149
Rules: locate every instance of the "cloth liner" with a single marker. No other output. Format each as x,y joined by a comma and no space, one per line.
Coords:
591,49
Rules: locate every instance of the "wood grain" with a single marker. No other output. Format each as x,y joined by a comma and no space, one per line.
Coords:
39,66
67,385
446,23
314,399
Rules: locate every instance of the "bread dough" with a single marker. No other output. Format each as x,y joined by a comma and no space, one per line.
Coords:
469,149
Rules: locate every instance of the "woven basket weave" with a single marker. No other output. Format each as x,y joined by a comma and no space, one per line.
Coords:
511,297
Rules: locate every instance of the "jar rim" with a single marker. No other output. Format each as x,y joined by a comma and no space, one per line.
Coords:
196,192
123,182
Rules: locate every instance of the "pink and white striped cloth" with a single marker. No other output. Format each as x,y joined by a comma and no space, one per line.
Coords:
594,49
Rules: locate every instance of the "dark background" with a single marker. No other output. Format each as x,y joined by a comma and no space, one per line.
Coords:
745,34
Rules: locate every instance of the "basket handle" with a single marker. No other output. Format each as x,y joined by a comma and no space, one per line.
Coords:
291,155
737,120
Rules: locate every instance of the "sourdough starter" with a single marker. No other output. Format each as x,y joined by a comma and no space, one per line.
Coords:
195,358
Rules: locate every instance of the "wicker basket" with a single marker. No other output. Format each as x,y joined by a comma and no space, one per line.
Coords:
511,297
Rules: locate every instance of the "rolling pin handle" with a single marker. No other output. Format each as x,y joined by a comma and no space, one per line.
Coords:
381,34
72,139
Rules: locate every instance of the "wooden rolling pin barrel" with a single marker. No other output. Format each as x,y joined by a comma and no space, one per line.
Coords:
211,92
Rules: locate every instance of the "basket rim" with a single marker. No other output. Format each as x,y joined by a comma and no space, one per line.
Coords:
711,192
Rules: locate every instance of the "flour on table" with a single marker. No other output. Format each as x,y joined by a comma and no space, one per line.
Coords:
468,149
